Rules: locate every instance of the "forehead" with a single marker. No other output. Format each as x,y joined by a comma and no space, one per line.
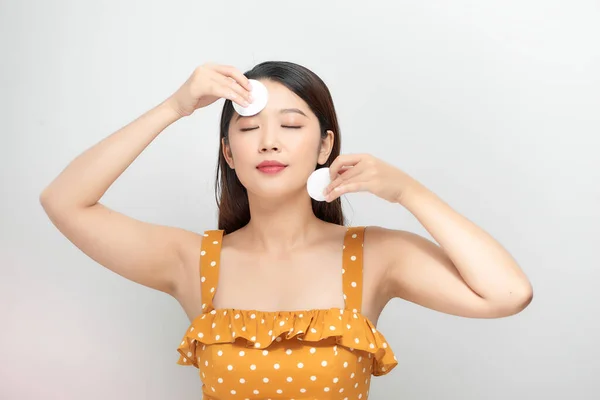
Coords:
282,101
282,97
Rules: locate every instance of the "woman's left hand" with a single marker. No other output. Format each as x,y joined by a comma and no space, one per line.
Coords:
365,173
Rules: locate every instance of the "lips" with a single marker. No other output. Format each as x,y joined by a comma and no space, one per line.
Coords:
271,167
270,164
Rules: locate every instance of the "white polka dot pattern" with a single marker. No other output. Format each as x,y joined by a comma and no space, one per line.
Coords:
252,354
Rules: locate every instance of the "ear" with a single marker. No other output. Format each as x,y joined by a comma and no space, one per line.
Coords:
227,153
326,147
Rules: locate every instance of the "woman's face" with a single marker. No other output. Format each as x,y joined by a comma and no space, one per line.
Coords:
286,131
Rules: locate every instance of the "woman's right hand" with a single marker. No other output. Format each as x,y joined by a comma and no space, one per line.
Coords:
208,83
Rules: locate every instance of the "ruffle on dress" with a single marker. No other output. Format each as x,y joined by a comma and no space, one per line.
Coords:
260,328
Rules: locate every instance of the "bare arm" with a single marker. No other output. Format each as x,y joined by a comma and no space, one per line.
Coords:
139,251
149,254
468,274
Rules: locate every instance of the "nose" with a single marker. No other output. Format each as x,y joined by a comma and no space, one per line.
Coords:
269,140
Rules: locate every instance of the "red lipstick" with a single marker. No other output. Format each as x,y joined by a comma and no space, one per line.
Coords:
270,166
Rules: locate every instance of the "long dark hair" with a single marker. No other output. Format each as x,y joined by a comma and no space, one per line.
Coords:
231,195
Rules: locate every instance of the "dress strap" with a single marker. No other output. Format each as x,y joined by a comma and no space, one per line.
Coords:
209,267
352,268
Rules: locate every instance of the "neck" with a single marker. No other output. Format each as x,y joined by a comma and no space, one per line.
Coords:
279,225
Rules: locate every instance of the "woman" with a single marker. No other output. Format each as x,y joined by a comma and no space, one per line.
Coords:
286,300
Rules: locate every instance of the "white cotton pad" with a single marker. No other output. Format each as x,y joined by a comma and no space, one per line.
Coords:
260,97
317,182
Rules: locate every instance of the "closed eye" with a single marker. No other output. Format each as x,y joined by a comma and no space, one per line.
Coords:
283,126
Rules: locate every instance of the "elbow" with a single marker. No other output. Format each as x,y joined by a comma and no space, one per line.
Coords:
526,297
517,301
49,206
523,295
47,200
44,199
52,204
511,303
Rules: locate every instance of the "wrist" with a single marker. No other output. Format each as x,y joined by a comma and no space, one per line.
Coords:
412,191
171,109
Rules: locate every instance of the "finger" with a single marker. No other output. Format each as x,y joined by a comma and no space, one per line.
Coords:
344,169
232,83
344,160
346,175
226,92
347,187
233,72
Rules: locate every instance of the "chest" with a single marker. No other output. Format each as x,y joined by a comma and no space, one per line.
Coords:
300,280
286,368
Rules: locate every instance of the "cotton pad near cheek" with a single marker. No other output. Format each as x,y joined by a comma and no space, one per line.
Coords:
260,97
317,182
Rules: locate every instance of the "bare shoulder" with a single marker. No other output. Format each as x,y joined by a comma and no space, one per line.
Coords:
385,234
376,254
379,240
398,248
383,247
388,243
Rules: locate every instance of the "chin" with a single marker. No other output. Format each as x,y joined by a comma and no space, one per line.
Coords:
270,193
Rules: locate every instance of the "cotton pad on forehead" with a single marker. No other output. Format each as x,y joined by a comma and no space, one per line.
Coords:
317,182
260,97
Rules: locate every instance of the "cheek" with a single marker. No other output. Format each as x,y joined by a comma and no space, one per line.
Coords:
240,149
305,146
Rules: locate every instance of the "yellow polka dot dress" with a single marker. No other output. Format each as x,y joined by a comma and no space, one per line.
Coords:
313,354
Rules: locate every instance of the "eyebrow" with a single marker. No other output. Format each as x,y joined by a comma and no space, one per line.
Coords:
282,111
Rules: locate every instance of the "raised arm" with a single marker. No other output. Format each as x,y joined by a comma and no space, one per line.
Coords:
149,254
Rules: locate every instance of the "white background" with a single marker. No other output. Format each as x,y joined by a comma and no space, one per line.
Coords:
493,105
